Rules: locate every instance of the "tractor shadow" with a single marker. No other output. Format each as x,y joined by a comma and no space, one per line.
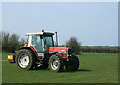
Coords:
84,70
79,70
65,71
40,69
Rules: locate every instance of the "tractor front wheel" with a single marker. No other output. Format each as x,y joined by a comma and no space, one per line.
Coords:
73,63
56,63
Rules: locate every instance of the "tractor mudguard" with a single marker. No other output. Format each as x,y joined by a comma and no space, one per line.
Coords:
31,48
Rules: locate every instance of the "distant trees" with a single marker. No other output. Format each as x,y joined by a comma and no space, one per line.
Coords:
77,48
74,45
22,42
100,49
14,42
10,43
5,41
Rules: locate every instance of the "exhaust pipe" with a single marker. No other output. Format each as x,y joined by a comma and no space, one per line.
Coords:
56,40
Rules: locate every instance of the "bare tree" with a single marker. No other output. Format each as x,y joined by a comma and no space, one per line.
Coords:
73,43
10,43
5,42
14,43
22,42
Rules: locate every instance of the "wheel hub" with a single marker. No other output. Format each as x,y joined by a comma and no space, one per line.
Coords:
55,64
23,60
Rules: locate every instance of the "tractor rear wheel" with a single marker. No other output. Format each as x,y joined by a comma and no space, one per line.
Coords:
25,59
56,63
73,63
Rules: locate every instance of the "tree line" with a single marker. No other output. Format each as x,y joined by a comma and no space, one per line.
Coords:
10,42
77,48
99,49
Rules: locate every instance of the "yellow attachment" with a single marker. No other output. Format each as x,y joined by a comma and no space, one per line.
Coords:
26,44
11,58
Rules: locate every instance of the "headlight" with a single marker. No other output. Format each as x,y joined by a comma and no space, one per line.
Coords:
63,51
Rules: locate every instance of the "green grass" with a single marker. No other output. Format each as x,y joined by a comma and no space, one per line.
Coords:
94,68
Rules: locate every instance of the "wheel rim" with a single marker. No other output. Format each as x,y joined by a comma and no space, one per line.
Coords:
23,60
55,64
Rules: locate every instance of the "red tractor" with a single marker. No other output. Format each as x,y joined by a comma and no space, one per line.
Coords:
40,52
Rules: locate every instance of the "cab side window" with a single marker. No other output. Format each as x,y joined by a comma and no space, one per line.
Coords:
37,43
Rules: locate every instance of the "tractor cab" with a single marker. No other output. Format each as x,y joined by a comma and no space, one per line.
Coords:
40,40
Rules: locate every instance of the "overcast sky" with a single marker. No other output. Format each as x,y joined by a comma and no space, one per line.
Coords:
93,23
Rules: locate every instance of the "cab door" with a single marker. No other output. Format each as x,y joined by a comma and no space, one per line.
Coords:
37,44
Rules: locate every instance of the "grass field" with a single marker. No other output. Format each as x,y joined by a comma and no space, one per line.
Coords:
94,68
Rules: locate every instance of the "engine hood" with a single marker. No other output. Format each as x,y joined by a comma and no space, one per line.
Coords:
57,49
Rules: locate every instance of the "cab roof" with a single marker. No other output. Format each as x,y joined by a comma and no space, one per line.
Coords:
39,33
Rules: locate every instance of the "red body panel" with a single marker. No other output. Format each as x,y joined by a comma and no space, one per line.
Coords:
30,47
33,50
52,50
58,49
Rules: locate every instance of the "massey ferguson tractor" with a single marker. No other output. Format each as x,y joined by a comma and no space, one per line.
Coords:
40,52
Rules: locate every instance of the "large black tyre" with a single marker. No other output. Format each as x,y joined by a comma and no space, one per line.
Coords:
56,63
73,63
25,59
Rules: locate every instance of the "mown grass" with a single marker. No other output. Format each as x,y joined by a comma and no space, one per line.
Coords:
94,68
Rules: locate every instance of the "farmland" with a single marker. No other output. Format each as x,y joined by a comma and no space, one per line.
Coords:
94,68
